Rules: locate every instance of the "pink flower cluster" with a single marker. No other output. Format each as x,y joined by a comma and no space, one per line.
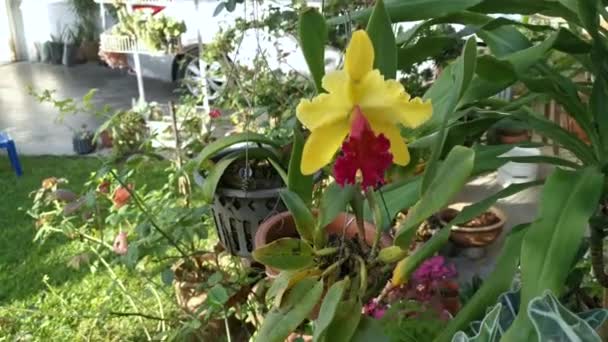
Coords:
374,309
434,269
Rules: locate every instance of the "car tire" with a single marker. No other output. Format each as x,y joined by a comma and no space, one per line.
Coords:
189,75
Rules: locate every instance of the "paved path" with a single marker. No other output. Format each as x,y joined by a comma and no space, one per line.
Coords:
33,125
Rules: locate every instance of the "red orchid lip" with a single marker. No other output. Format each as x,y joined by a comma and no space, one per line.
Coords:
363,153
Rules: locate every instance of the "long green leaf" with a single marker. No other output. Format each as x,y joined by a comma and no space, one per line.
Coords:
334,201
298,304
496,283
444,103
329,307
305,221
223,143
568,200
345,323
213,178
411,10
452,175
296,181
313,38
285,254
425,48
556,133
381,34
471,211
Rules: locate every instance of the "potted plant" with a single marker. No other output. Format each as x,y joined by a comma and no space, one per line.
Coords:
478,231
83,141
332,262
241,179
88,15
509,131
45,52
70,48
56,49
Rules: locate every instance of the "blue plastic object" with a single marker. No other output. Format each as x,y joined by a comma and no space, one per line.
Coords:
8,143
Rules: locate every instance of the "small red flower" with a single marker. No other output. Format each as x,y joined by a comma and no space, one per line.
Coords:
121,244
215,113
363,151
122,196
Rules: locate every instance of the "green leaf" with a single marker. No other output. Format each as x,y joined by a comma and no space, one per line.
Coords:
381,34
370,329
345,322
329,308
284,282
425,48
305,221
396,197
599,108
213,178
313,37
452,175
411,10
298,304
554,322
297,182
218,295
333,202
568,200
223,143
405,267
445,93
495,70
556,133
471,211
285,254
496,283
488,328
504,40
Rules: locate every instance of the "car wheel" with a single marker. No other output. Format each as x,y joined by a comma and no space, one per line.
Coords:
215,77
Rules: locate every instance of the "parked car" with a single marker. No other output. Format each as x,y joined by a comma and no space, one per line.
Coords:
184,66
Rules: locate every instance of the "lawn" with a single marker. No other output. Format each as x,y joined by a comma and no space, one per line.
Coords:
42,297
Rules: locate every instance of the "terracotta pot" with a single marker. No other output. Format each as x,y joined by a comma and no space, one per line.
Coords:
513,138
473,236
282,225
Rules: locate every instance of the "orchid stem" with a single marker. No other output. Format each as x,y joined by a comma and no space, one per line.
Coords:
357,204
371,199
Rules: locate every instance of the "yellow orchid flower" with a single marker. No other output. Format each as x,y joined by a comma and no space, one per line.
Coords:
384,103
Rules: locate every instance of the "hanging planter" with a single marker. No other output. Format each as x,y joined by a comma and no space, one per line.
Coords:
241,183
238,212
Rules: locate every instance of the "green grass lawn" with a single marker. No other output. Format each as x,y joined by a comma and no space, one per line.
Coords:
73,304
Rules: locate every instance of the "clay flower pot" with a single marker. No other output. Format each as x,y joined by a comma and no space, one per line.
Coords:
513,137
469,235
282,225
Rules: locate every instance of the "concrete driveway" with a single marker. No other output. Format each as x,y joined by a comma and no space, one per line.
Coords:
32,125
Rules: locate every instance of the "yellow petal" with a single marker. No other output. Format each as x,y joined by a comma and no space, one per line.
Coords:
336,82
359,55
322,144
401,155
324,109
388,101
